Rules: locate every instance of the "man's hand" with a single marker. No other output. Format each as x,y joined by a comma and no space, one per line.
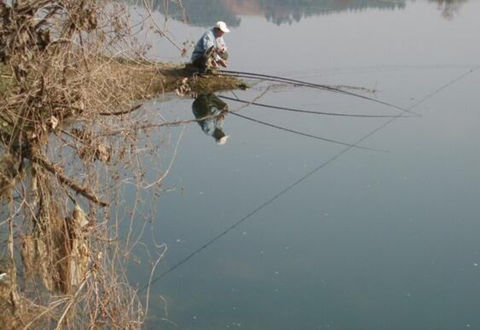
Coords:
222,62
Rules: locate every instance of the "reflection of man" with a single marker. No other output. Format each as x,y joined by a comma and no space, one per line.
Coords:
210,50
210,106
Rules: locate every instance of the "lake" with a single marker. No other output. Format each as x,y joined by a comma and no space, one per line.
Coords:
306,234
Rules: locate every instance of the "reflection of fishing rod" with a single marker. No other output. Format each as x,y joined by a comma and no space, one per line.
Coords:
275,107
303,134
260,76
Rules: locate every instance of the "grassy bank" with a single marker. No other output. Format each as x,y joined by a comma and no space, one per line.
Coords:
145,79
153,78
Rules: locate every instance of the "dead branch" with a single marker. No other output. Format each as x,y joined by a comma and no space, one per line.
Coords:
58,173
119,113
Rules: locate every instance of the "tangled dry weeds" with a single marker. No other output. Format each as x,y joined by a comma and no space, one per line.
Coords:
62,80
55,75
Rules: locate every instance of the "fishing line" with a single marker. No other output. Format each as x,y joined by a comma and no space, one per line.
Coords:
260,76
300,180
275,107
303,134
360,70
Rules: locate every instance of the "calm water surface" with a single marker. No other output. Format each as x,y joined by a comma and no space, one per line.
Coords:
370,240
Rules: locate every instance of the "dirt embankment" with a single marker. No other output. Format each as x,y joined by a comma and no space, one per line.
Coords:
142,80
150,79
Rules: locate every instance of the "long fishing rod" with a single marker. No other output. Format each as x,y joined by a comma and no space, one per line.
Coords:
304,134
259,76
275,107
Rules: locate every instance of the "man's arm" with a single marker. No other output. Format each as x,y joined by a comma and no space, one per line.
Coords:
221,46
208,42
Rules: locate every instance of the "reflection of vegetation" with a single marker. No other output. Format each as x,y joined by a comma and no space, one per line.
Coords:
285,11
449,7
206,12
199,12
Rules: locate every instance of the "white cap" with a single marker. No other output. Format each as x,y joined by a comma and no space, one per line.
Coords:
222,26
222,140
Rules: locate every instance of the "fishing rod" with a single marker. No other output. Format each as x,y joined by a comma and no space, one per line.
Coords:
275,107
259,76
304,134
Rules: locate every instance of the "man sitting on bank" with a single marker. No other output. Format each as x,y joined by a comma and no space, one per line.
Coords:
210,50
